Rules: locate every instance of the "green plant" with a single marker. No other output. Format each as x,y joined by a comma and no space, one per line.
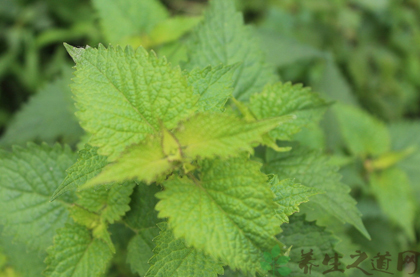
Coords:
186,172
272,259
352,52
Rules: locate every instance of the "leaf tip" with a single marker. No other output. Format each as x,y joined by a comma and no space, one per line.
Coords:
74,52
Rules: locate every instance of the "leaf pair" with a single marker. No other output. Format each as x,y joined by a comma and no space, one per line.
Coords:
205,135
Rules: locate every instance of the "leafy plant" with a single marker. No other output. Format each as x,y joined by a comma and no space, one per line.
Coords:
192,158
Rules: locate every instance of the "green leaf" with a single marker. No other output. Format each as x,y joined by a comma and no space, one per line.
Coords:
333,84
203,135
266,265
268,257
47,116
84,217
222,38
306,236
172,29
312,169
111,202
406,135
144,162
123,95
139,250
223,135
275,251
231,200
282,51
173,258
134,18
287,99
213,84
283,260
312,136
88,165
97,207
28,177
392,189
142,218
142,214
363,133
289,195
284,271
76,253
29,263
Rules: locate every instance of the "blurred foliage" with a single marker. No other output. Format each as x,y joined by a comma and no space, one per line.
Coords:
31,52
376,44
362,54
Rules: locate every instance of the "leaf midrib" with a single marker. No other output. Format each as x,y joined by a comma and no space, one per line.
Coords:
119,91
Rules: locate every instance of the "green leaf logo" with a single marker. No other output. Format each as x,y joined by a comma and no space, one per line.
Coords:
272,261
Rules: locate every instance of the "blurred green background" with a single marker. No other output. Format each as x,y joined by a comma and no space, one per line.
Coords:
364,55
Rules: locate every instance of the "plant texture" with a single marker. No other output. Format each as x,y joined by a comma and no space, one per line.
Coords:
191,158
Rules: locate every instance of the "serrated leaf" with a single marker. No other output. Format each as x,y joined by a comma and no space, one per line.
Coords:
144,162
101,232
213,84
88,165
287,99
98,207
28,177
123,95
203,135
222,38
306,236
289,195
312,169
231,200
364,134
135,18
223,135
84,217
142,218
142,214
172,257
392,189
76,253
111,202
46,117
139,250
250,117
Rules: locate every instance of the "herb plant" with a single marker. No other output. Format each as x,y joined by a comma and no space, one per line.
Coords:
189,168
